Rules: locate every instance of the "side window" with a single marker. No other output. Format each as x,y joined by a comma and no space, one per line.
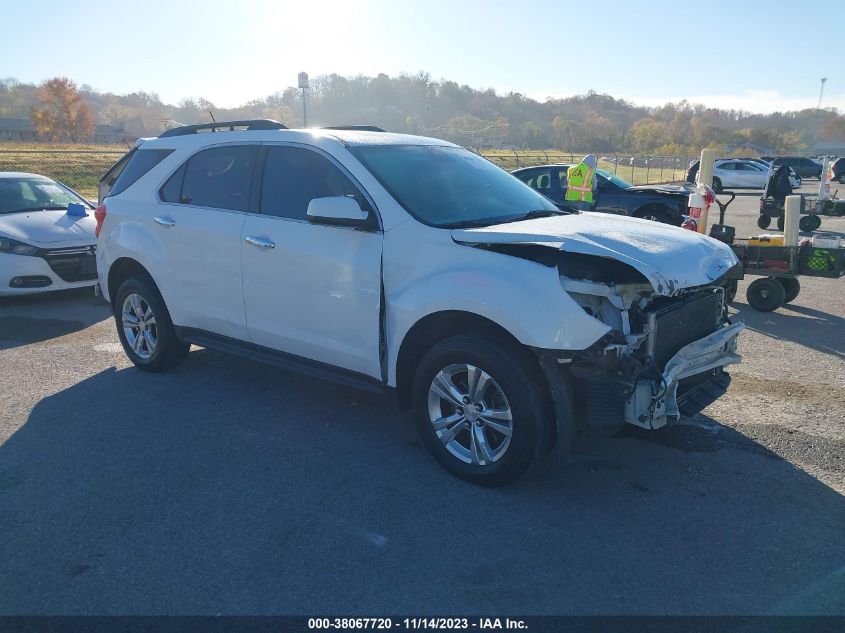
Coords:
294,176
141,161
728,166
539,179
562,177
171,191
219,177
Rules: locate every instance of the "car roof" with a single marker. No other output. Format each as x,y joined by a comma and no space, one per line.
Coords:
21,174
309,136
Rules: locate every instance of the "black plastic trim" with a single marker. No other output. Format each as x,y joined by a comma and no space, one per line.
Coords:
262,354
249,124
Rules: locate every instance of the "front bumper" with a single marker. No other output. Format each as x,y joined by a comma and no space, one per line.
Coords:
12,266
654,402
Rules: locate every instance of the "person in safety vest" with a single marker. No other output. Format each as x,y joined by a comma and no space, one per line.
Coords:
581,183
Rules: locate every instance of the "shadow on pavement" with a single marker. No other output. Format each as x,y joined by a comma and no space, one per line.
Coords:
809,327
230,487
34,318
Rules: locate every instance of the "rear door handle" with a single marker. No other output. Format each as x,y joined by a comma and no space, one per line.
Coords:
260,242
168,222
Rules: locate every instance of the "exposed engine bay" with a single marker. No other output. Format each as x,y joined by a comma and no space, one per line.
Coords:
661,352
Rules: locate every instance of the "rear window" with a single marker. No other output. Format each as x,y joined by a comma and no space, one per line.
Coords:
142,161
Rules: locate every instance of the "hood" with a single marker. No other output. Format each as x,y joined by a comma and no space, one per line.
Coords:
48,227
676,189
670,257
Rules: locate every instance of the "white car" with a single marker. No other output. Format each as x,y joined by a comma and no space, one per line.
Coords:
43,245
410,264
734,173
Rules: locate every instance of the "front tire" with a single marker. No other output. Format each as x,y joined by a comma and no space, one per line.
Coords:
482,409
764,221
144,327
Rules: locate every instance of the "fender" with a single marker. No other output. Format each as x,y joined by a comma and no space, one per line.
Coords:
136,241
523,297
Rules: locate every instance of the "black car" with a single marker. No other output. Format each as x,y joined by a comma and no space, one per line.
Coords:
804,167
837,170
662,203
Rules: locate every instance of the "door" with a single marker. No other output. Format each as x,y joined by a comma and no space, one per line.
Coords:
199,221
751,175
312,290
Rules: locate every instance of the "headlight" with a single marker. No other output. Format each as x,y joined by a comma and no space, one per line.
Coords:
13,247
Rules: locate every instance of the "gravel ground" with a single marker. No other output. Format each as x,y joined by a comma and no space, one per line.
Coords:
230,487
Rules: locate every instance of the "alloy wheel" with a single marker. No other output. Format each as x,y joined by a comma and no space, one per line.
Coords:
139,325
470,414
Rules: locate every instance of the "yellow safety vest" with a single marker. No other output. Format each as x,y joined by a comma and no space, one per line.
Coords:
579,183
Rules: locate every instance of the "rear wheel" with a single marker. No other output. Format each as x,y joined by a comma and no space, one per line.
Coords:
791,288
780,222
765,294
144,326
655,214
717,185
841,178
481,408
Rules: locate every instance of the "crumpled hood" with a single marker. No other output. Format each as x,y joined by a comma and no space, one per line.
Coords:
48,227
670,257
675,189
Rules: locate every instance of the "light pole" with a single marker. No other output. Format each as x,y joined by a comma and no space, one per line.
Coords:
821,92
303,85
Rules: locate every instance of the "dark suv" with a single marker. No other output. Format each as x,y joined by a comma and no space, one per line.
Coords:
661,203
804,167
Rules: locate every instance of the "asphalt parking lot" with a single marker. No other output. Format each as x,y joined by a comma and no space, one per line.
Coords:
228,487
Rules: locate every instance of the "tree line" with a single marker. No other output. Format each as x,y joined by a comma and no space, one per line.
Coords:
417,104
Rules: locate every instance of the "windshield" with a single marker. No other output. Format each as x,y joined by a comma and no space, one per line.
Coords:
35,194
450,186
616,180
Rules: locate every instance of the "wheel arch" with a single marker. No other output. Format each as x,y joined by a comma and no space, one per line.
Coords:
435,327
122,269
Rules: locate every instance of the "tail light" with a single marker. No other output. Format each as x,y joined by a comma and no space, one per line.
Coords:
100,216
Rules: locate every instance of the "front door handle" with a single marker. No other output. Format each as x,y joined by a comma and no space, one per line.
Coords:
260,242
168,222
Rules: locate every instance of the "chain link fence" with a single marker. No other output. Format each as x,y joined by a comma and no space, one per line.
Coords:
81,168
636,169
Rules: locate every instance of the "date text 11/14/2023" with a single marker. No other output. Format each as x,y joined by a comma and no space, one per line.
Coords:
417,623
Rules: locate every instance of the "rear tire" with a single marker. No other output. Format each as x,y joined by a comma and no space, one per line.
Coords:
144,327
780,223
717,185
791,288
655,214
461,379
765,294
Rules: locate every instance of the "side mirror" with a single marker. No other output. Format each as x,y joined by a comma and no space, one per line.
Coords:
339,210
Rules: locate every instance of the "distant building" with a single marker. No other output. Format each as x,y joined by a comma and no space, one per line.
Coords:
19,129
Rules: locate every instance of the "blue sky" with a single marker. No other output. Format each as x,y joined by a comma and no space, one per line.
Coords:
763,56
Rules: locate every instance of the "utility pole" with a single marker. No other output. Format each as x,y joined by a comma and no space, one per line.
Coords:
303,85
821,92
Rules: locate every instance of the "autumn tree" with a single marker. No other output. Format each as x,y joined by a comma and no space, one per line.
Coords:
62,115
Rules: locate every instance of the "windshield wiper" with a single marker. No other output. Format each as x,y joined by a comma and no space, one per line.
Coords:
37,209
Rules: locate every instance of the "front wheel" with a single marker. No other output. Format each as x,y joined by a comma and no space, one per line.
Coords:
144,327
481,408
841,178
764,221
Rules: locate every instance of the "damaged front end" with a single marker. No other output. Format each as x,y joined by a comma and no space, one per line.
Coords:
659,292
663,355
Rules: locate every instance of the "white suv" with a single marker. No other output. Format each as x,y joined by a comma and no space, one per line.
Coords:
410,264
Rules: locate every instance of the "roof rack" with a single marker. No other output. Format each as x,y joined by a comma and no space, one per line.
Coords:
249,124
354,128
